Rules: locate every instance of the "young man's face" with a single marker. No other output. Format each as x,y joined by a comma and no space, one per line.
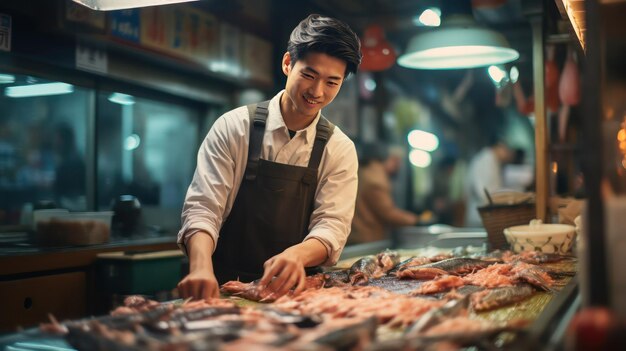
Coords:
312,83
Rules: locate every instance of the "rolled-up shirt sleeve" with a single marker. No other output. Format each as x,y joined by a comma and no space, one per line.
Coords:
335,197
207,197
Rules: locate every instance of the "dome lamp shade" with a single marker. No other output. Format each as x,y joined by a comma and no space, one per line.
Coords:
110,5
458,43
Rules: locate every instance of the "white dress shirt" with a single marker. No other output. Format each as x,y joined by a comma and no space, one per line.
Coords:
484,173
221,163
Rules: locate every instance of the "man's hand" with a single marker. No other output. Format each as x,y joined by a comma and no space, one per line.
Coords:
282,272
201,282
286,270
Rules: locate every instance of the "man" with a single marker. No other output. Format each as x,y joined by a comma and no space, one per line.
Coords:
485,174
275,184
376,211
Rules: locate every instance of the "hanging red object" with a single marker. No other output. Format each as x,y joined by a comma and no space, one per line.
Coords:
552,76
569,92
378,54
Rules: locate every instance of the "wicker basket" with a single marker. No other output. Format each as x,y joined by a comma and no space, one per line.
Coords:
498,217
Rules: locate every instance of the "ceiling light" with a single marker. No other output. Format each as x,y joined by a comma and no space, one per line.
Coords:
132,142
7,78
420,158
370,84
458,43
38,90
107,5
514,74
496,74
122,99
430,17
422,140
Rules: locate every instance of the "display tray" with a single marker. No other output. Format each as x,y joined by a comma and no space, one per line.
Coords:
530,309
449,243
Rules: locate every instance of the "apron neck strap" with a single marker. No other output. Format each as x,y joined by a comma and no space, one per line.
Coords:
323,132
258,116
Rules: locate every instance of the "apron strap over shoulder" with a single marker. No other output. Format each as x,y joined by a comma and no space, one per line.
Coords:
258,115
323,131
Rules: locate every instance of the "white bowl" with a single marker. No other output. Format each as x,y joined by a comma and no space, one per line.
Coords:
541,237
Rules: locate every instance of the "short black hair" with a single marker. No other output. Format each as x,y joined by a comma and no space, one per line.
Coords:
326,35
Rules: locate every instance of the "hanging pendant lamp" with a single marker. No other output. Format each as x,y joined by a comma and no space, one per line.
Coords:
108,5
458,43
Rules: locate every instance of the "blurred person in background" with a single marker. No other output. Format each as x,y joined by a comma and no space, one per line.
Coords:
274,189
69,180
376,212
485,175
448,197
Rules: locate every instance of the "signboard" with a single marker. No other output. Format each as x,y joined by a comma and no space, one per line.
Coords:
155,23
91,59
182,31
203,35
125,25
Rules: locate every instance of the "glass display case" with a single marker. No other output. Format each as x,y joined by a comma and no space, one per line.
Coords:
79,148
43,142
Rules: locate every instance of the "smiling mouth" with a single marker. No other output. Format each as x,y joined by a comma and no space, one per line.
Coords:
312,102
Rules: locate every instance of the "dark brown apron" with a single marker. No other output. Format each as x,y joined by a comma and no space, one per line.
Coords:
272,209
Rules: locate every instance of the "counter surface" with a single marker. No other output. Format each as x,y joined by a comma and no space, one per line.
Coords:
23,257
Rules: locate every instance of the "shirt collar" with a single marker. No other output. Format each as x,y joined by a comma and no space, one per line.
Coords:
275,120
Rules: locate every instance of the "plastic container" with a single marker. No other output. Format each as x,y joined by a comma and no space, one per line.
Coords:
62,228
138,273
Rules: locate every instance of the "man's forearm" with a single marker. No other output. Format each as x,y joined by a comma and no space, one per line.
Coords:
200,247
311,252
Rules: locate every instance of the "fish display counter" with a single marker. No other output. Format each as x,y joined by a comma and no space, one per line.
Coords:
378,297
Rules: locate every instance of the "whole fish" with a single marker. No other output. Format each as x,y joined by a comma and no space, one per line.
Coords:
363,270
461,292
252,292
419,261
536,278
336,278
419,272
249,291
352,337
534,275
411,261
438,285
466,332
459,265
560,274
495,298
303,321
387,260
435,316
454,266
